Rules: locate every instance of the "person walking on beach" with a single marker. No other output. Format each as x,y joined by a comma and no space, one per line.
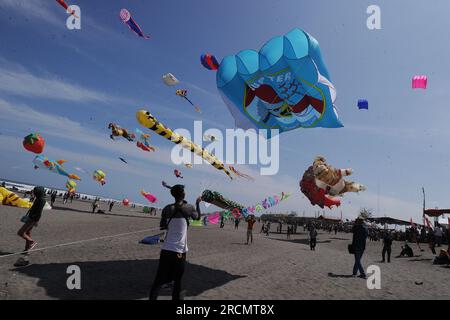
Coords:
431,240
438,234
175,218
95,205
312,238
53,198
32,218
250,223
387,247
359,246
236,223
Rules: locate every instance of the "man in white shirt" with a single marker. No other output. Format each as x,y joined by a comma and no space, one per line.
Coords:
175,218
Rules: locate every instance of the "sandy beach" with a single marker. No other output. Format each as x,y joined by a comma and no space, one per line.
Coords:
220,265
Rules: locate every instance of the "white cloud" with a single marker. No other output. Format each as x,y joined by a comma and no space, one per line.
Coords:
16,80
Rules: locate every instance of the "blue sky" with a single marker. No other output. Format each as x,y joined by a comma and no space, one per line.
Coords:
68,85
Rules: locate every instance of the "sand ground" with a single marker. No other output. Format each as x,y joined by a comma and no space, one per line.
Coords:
220,264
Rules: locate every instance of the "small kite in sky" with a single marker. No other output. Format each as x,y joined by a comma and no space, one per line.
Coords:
419,82
240,174
34,143
170,80
363,104
123,160
117,131
126,18
209,61
143,141
183,94
177,173
149,196
99,176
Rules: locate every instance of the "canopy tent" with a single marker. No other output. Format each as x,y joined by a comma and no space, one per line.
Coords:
436,212
389,220
329,219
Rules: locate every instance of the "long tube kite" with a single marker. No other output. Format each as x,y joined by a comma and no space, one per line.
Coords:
65,6
147,120
126,18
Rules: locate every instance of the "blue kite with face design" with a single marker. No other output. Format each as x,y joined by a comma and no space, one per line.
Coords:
284,86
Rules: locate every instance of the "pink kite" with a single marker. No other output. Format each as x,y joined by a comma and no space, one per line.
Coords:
214,218
149,196
419,82
177,173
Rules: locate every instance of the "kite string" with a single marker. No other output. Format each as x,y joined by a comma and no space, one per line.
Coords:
77,242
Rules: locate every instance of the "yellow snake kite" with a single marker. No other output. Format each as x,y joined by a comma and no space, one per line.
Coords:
147,120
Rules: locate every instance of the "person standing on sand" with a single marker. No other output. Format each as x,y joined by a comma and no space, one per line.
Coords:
111,204
387,246
250,223
359,246
236,223
175,218
53,198
32,218
312,238
95,205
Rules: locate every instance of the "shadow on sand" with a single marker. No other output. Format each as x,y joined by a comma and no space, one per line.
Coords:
103,214
345,276
301,241
124,280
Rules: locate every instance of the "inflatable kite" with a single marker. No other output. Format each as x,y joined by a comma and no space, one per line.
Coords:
125,202
170,80
117,131
71,186
183,94
152,240
321,183
263,205
214,218
99,176
284,86
9,198
43,162
239,174
34,143
177,173
143,141
149,196
363,104
126,18
146,119
215,198
209,61
419,82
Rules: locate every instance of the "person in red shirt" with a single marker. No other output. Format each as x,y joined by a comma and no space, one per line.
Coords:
250,222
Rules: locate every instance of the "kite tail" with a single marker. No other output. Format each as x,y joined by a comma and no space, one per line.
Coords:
74,176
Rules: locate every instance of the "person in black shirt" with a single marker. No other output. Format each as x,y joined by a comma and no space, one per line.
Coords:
359,246
387,246
32,218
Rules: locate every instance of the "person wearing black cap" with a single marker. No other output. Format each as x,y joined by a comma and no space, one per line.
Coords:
175,218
